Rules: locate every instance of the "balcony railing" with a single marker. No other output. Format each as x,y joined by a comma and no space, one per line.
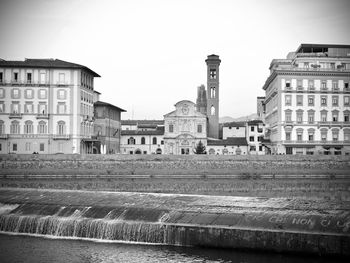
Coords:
42,116
15,115
342,69
61,136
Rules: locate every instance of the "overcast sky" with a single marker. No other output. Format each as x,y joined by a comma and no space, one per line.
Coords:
150,53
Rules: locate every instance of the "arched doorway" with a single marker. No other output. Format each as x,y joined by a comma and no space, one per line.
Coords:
138,151
159,151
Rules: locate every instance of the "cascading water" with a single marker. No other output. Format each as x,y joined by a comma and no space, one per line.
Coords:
84,222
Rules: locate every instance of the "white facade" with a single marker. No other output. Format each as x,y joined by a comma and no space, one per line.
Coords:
184,128
308,101
46,106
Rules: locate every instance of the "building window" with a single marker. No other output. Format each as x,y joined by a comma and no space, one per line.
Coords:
334,100
346,116
28,108
14,128
154,140
171,128
2,93
311,100
212,73
131,140
335,135
1,77
14,147
61,108
29,77
212,110
288,116
252,148
143,140
42,127
299,117
260,138
42,78
42,108
61,128
299,135
61,94
334,116
299,100
260,148
42,147
2,106
288,136
323,135
323,116
311,117
28,93
311,85
252,128
212,92
346,85
251,138
346,135
28,146
335,85
15,108
162,142
300,84
323,101
199,128
42,94
28,127
15,77
306,64
346,100
288,100
323,85
16,94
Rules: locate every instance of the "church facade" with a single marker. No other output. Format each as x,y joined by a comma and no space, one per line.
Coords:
185,127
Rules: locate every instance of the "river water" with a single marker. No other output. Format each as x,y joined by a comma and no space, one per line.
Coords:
31,249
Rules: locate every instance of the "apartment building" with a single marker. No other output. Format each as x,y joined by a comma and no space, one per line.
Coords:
307,101
46,106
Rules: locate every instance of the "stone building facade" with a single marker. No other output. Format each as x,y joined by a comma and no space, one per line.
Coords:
184,128
307,101
46,106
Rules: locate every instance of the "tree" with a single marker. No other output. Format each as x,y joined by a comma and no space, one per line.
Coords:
200,148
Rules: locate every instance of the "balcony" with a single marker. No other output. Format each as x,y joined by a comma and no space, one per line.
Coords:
332,123
15,115
4,136
42,116
61,137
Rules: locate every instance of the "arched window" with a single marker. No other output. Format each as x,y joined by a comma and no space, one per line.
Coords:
61,128
143,140
154,140
131,140
212,110
15,128
212,92
42,127
28,127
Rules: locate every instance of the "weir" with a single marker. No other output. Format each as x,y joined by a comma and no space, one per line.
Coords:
275,224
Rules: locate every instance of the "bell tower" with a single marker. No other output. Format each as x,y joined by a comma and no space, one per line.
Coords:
213,63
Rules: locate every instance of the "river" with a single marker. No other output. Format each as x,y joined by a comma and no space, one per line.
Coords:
32,249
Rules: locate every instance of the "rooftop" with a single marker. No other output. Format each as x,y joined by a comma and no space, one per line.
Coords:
101,103
158,131
44,63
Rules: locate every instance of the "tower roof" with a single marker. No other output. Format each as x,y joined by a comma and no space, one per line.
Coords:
213,59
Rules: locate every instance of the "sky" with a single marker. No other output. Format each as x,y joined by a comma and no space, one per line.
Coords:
151,53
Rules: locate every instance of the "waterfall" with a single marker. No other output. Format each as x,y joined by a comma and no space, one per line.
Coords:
85,222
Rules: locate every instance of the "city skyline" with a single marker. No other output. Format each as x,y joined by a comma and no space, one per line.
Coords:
150,54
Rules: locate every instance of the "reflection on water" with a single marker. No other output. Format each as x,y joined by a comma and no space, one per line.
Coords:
36,249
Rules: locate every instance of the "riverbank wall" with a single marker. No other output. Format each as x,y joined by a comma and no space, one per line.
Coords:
173,165
269,224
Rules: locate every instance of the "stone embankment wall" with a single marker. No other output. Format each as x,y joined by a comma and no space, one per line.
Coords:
173,165
274,224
